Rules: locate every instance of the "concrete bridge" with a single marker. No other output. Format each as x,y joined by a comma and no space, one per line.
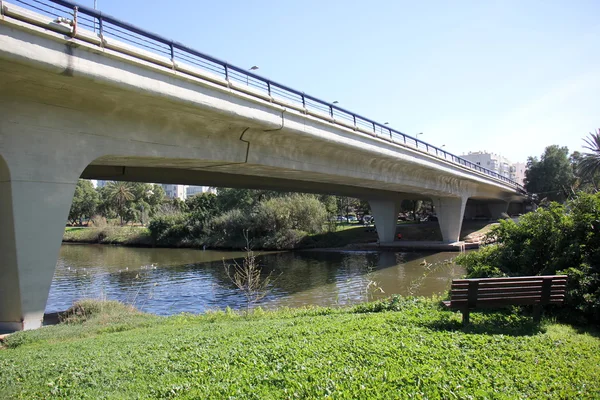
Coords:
78,103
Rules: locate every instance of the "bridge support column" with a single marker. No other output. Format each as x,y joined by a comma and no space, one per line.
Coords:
497,209
386,218
450,212
33,213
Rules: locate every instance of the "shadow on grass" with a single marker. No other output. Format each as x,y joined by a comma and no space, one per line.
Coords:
498,322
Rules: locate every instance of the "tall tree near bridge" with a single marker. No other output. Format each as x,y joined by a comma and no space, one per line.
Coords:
551,176
588,166
85,202
120,194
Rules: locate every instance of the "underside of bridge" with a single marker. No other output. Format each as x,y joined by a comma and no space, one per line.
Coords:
68,111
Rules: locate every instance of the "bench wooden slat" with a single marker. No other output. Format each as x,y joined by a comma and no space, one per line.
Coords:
513,278
471,294
506,295
495,303
486,289
508,284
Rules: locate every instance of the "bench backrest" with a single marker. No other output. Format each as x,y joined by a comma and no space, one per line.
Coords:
494,292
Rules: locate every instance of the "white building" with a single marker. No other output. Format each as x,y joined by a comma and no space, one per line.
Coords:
520,168
194,190
172,191
494,162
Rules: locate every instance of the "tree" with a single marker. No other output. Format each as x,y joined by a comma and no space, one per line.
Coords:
551,176
202,206
589,164
413,206
120,195
85,202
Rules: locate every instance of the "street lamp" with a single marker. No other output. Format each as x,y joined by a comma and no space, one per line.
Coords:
335,102
386,123
252,68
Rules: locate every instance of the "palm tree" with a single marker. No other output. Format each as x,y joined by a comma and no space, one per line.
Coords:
589,165
119,194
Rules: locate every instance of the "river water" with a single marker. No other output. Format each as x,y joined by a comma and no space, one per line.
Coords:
171,281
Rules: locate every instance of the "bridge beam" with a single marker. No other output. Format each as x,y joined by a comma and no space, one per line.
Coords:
386,218
450,212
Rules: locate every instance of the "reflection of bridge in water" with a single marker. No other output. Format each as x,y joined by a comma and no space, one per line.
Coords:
78,103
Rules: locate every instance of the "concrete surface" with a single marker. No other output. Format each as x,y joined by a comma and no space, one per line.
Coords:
70,109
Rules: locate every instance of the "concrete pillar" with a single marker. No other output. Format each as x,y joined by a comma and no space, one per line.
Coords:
450,211
496,209
33,213
385,213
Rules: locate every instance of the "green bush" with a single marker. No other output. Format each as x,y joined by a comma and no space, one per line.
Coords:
554,240
228,228
169,228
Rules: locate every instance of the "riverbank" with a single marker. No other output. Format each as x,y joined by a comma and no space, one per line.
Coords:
397,348
346,236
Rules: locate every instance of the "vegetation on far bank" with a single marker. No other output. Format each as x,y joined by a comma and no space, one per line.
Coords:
396,348
345,235
555,239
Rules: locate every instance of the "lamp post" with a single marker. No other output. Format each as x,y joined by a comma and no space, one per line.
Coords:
252,68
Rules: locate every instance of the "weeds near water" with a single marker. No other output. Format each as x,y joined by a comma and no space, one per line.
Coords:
246,276
372,286
430,268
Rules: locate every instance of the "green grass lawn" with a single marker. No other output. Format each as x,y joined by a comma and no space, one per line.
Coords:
398,348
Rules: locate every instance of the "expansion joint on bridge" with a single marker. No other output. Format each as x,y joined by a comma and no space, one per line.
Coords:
282,123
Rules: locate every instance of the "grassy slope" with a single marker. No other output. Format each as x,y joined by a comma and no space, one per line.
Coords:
419,352
126,235
357,234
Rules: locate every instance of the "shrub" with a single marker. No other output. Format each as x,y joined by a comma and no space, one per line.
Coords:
227,229
553,240
298,212
168,228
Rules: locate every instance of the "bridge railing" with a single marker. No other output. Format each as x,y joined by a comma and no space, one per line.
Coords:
106,26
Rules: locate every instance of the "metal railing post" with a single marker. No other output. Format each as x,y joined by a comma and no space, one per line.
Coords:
74,31
226,72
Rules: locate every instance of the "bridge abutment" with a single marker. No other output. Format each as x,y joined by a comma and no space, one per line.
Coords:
450,212
386,218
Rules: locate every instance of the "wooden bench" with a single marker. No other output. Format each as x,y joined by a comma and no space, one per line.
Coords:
472,294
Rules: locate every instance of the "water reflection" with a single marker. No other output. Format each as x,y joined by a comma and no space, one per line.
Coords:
169,281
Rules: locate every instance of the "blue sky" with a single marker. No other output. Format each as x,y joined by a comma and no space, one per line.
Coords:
511,77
